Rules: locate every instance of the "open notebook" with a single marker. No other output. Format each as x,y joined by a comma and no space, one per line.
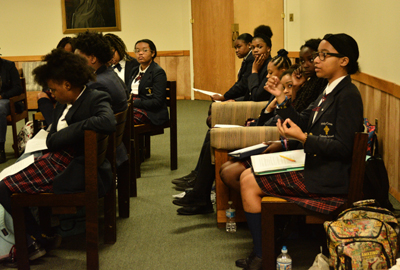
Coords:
278,162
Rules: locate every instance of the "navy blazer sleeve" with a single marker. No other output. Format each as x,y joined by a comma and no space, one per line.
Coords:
156,80
256,82
11,83
93,112
240,88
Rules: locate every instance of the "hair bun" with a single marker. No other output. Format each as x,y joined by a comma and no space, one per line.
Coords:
282,52
263,30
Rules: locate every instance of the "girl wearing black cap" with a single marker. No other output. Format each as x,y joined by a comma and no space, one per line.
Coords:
326,129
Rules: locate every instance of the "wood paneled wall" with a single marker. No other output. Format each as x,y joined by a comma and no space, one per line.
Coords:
381,101
175,63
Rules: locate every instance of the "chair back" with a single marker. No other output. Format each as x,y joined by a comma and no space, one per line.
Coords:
357,168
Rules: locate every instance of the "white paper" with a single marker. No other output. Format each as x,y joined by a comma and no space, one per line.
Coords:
277,161
16,167
37,143
206,92
226,126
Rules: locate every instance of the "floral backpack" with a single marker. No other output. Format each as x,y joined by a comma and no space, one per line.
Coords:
24,135
363,237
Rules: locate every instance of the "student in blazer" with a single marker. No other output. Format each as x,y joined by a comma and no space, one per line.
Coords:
10,86
261,49
326,129
122,62
60,169
148,83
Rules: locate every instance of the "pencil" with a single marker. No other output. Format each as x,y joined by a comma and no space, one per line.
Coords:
288,158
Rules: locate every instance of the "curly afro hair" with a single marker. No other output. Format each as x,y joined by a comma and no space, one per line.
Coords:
64,66
93,43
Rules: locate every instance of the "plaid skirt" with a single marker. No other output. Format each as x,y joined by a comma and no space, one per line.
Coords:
290,186
38,177
139,115
246,162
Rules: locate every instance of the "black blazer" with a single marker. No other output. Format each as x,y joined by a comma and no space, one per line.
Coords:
330,140
240,88
91,111
256,83
108,81
11,83
129,66
152,93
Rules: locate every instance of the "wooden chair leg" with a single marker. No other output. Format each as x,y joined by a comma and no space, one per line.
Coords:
110,230
92,236
268,236
124,189
147,146
132,175
174,147
15,140
20,237
136,151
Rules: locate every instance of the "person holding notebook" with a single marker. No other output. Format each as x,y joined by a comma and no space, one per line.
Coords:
326,129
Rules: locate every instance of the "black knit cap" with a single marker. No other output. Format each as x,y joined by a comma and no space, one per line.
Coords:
344,44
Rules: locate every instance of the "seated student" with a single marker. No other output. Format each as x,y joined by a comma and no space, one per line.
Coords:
96,49
261,49
326,129
275,67
45,98
148,84
198,200
78,108
122,62
10,86
243,51
306,88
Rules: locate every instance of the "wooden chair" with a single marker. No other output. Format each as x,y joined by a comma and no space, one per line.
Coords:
272,206
95,154
141,133
15,117
225,140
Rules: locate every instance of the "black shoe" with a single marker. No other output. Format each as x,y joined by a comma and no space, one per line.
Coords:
242,263
186,185
2,156
35,251
195,210
190,200
255,264
184,179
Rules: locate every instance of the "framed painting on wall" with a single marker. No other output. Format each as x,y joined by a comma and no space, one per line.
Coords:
95,15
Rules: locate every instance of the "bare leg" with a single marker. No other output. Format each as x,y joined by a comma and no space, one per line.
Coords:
230,174
251,192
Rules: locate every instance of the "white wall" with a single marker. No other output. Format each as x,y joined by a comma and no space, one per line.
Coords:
34,27
373,24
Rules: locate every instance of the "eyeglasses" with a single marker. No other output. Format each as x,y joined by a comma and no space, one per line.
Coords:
146,50
322,55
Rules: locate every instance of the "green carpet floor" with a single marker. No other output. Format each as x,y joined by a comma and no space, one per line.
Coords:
155,237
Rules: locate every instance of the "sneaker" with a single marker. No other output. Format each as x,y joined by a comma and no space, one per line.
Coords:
178,196
184,179
190,199
35,251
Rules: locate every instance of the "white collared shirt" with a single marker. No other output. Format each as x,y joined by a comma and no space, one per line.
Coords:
62,123
328,89
121,73
135,83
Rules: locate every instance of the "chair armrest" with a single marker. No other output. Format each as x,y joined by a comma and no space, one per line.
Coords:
14,100
235,113
236,138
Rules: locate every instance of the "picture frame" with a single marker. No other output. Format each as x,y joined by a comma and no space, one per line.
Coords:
94,15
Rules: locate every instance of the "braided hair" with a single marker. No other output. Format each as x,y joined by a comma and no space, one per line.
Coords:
281,60
118,45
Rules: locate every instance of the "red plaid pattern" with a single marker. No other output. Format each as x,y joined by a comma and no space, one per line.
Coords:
38,177
290,186
246,162
139,115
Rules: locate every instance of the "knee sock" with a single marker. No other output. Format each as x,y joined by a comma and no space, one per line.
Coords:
254,223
